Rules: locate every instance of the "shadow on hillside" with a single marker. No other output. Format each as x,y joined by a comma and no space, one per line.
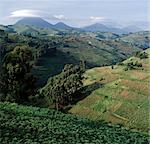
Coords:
83,93
48,66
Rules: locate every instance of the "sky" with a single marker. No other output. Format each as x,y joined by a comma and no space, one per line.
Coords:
78,13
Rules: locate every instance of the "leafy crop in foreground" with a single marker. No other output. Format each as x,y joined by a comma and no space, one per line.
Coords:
22,124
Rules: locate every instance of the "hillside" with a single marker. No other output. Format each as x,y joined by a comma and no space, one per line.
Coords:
23,124
140,39
117,94
55,48
73,48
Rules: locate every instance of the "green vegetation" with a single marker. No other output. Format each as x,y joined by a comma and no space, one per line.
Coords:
61,89
123,97
141,55
132,65
140,39
54,49
17,82
117,93
22,124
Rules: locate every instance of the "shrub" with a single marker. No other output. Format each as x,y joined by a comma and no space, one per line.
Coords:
132,65
120,64
141,55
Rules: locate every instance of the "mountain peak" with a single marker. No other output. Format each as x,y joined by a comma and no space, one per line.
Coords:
96,27
39,22
61,25
98,24
36,21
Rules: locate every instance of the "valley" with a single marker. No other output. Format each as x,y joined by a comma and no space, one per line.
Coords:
62,84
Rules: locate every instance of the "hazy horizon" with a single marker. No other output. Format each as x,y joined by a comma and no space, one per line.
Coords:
78,13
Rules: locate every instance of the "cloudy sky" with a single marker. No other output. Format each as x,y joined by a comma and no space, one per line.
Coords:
77,12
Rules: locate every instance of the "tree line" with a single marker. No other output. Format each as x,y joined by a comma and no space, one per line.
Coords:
18,84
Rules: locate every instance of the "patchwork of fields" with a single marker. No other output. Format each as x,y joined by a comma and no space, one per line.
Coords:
123,97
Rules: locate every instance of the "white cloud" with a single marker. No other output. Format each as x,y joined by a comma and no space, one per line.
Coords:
25,13
60,17
97,18
35,13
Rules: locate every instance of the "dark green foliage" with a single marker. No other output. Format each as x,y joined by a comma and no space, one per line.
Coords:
17,80
120,63
141,55
22,124
132,65
61,88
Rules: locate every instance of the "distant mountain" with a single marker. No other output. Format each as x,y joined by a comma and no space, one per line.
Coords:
34,21
144,25
131,28
62,26
96,27
41,23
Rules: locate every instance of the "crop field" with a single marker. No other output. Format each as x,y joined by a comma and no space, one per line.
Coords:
31,125
123,97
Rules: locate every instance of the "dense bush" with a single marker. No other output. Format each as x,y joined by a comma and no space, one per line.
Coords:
141,55
60,89
132,65
22,124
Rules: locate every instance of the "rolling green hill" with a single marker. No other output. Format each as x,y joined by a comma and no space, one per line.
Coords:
23,124
70,47
73,47
116,94
121,95
34,31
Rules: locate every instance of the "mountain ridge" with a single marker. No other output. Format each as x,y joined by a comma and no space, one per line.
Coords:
39,22
97,27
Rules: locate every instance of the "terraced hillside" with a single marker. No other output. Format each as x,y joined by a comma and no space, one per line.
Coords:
121,95
23,124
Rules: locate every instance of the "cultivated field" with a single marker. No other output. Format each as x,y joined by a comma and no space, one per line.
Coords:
122,98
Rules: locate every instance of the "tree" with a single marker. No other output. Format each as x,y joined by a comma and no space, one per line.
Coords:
17,81
112,67
61,88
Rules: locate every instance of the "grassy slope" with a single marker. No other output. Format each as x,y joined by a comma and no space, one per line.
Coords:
93,51
123,98
23,124
32,29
